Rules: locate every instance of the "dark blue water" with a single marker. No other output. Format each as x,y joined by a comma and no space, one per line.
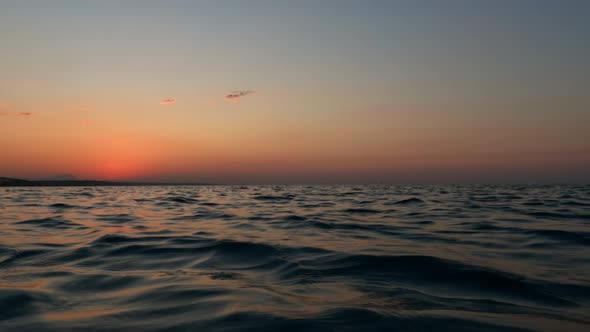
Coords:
313,258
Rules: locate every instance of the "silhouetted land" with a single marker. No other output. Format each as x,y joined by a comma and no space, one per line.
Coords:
10,182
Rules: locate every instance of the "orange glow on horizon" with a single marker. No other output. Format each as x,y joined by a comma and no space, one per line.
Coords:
120,170
121,156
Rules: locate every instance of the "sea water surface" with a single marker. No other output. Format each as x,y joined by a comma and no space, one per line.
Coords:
295,258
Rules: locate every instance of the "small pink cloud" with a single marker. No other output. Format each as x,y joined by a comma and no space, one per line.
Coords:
168,101
5,107
16,113
236,95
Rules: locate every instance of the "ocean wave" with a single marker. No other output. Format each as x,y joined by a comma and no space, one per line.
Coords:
381,258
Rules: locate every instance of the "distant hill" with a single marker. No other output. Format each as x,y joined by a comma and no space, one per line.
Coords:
10,182
60,177
13,182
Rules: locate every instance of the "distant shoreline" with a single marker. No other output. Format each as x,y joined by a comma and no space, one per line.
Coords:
10,182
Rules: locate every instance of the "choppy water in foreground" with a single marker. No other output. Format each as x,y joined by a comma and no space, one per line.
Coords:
329,258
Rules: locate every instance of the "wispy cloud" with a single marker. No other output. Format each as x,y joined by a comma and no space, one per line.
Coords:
16,113
236,95
168,101
5,110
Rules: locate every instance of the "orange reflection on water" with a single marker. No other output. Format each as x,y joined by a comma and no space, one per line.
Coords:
38,284
71,315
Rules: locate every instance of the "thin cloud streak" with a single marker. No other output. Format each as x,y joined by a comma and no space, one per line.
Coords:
16,113
236,95
168,101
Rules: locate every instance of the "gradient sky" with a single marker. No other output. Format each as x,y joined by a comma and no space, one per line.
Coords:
345,91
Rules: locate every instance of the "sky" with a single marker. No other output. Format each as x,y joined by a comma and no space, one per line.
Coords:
284,91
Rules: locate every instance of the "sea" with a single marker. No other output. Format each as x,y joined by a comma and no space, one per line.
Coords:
295,258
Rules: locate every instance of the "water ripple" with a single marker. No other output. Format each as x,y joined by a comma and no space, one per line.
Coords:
235,258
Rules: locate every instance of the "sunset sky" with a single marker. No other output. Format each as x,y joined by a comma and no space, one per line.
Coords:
296,91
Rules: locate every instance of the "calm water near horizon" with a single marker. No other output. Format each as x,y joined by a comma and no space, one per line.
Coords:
309,258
